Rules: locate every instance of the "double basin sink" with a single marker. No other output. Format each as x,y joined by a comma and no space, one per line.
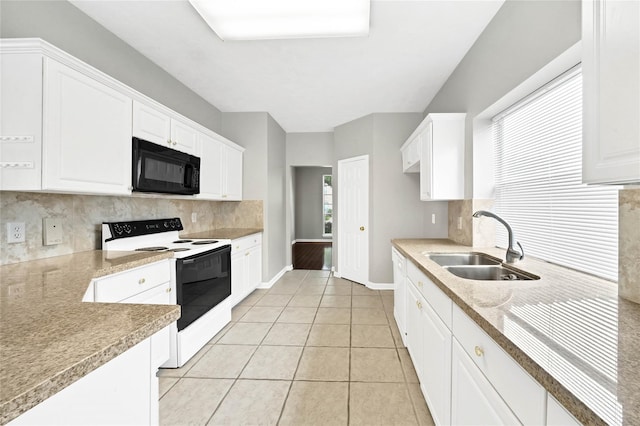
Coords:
478,266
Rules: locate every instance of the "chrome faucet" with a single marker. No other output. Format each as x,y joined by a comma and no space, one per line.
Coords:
513,255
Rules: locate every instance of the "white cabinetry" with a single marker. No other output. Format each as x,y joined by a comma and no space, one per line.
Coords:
155,126
87,129
399,291
149,284
473,399
442,157
221,172
64,131
557,415
411,153
429,341
611,84
521,392
246,266
122,391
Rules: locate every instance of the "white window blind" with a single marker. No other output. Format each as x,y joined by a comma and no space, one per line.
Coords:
539,188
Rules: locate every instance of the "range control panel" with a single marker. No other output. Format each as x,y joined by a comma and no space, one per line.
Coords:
143,227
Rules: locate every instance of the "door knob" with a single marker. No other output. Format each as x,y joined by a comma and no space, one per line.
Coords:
362,228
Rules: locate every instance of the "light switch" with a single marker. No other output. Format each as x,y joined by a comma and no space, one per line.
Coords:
51,231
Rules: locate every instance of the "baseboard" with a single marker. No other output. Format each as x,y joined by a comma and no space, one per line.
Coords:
311,240
276,277
380,286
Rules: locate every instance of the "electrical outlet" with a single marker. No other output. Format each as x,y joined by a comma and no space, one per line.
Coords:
51,231
16,232
194,217
459,222
433,218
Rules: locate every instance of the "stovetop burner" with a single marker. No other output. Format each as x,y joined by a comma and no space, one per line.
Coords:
179,249
182,241
158,248
203,242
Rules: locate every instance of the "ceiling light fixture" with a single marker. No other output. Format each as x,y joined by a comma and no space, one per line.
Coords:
280,19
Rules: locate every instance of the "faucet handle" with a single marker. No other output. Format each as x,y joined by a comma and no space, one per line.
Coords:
521,250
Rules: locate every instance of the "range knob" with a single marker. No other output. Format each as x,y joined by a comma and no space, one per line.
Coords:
166,225
127,228
117,229
173,224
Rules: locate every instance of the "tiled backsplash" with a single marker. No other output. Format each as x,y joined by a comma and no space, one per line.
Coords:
629,244
82,216
473,232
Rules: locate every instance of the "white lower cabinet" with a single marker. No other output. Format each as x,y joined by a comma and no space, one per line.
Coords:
429,345
246,266
122,391
557,415
465,376
473,400
399,292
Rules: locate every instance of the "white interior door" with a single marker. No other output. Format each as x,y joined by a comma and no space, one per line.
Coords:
353,219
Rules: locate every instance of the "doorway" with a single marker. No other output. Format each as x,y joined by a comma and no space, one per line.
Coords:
312,189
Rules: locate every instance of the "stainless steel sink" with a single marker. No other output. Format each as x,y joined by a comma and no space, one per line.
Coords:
489,273
454,259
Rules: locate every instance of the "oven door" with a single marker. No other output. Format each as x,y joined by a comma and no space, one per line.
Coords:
202,281
159,169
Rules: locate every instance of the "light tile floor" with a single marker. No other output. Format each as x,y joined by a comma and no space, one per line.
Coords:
312,350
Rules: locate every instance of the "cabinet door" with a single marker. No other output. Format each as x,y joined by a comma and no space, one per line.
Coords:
211,168
21,122
87,134
232,174
426,167
238,278
184,137
611,84
399,289
415,334
436,368
150,124
473,399
253,258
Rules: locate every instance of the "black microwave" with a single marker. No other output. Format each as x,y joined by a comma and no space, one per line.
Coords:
156,168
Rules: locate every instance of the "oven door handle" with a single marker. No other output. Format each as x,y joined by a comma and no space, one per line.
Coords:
187,261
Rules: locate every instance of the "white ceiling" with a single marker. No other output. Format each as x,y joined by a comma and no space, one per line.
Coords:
307,85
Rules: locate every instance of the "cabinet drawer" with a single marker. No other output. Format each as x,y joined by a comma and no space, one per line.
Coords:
524,395
117,287
440,302
244,243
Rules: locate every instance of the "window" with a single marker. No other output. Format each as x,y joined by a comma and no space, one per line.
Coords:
539,188
327,206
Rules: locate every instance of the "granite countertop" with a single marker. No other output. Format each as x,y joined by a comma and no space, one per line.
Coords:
49,338
224,233
569,330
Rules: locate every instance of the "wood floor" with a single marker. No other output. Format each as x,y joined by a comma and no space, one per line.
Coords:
315,256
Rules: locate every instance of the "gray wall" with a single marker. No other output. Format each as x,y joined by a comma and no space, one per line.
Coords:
275,215
66,27
263,178
308,202
522,38
395,209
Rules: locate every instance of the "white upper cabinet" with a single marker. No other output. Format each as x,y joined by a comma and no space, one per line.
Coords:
155,126
611,98
184,137
150,124
67,127
87,134
442,157
411,153
221,169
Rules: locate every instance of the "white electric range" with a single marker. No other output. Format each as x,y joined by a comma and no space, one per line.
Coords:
200,275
